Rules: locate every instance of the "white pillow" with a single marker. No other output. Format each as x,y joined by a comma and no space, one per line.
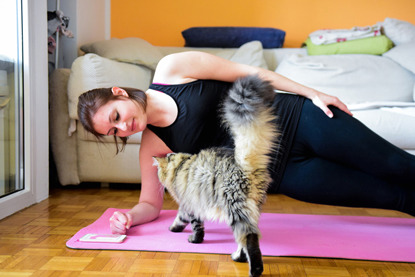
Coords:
251,53
131,50
398,31
354,78
403,54
92,71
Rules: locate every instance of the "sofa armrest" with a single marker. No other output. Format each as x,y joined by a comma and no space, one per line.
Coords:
63,146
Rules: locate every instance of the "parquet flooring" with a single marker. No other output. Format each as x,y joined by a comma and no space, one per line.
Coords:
32,243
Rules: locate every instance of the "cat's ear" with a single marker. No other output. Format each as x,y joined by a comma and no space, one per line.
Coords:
156,161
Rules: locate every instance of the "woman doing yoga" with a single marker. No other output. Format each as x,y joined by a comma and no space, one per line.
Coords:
326,155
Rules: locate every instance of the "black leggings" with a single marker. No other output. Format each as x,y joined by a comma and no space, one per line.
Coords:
339,161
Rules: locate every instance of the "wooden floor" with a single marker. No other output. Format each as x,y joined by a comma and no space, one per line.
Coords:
32,243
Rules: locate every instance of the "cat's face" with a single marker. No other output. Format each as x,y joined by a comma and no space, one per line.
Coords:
168,168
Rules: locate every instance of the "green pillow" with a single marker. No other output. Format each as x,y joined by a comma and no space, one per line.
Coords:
373,45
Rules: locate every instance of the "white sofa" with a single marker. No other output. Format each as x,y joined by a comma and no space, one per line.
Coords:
379,89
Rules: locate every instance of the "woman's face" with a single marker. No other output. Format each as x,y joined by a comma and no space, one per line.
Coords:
121,117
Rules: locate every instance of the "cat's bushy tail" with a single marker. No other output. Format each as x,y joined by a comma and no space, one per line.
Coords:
251,119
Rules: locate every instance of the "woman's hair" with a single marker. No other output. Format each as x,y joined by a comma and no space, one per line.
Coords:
89,102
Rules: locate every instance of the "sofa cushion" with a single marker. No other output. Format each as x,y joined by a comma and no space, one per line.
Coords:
354,78
403,54
250,53
98,163
232,37
92,71
132,50
393,124
398,31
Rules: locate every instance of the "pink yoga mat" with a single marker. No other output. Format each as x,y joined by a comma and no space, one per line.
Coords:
350,237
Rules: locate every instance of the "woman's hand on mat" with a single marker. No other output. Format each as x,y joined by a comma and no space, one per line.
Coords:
120,222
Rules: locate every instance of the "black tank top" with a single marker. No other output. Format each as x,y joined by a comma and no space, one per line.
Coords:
198,124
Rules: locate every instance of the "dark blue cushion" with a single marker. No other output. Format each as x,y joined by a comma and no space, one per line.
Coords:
232,37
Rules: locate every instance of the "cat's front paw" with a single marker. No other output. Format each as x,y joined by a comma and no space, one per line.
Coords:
177,228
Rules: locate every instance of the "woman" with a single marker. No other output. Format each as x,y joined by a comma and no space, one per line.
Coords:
327,156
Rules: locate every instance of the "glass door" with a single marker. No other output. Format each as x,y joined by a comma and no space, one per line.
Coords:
24,155
11,98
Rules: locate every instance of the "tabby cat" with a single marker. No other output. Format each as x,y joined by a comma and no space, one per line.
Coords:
228,184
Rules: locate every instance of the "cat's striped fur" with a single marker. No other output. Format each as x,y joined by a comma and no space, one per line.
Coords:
228,184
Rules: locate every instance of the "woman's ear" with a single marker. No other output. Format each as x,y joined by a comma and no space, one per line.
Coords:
119,91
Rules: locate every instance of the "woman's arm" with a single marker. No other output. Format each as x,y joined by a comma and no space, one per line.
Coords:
151,196
188,66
